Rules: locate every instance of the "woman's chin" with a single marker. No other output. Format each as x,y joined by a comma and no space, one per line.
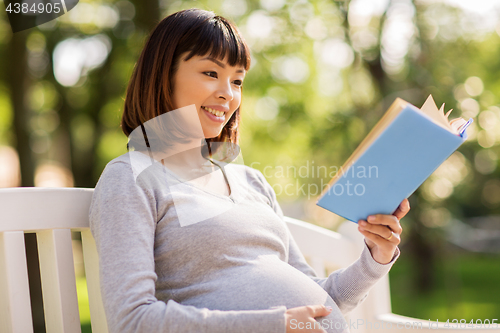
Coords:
212,134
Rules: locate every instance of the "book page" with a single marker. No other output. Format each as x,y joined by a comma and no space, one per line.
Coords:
457,124
431,110
441,119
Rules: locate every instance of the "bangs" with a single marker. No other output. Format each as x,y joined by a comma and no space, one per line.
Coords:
219,39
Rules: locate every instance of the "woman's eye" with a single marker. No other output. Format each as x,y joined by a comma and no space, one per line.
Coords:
211,74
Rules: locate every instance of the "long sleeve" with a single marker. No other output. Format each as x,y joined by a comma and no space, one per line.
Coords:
123,221
348,286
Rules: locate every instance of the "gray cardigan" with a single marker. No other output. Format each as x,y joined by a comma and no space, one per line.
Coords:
177,258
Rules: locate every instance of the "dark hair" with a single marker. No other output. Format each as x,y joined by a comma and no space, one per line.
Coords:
199,32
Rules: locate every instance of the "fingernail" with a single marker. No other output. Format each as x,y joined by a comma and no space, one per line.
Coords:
329,308
371,218
362,223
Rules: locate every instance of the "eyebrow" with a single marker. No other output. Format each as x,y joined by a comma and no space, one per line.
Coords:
221,64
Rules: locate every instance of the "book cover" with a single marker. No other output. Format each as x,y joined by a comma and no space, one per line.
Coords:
398,159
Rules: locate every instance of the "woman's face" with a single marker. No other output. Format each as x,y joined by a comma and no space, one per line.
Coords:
212,86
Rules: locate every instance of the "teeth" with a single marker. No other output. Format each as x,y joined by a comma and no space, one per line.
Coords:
214,112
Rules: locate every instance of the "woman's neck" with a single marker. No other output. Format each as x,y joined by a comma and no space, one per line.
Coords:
182,155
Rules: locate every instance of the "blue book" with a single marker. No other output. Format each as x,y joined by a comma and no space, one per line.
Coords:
397,156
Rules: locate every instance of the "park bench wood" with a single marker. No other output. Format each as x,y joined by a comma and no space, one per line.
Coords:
53,213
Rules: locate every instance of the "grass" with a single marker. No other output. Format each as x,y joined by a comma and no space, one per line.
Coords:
466,287
83,304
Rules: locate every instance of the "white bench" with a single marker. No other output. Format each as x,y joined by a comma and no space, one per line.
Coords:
52,213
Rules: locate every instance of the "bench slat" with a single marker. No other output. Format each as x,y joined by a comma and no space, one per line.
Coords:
35,209
318,264
322,244
91,261
15,304
57,273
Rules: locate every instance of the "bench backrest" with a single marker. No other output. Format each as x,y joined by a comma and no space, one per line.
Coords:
53,213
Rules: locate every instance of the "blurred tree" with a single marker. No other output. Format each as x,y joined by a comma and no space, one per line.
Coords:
148,14
18,82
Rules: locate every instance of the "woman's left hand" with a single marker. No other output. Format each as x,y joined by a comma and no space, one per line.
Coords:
383,233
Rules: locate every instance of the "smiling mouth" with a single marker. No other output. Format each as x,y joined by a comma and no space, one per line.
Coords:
214,112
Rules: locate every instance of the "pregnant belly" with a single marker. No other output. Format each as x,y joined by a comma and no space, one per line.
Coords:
261,284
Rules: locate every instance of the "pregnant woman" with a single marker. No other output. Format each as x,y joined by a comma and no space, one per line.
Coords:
189,242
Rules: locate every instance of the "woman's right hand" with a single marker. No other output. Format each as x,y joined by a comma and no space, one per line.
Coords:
297,319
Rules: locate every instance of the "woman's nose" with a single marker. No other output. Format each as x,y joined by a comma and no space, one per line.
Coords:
225,92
